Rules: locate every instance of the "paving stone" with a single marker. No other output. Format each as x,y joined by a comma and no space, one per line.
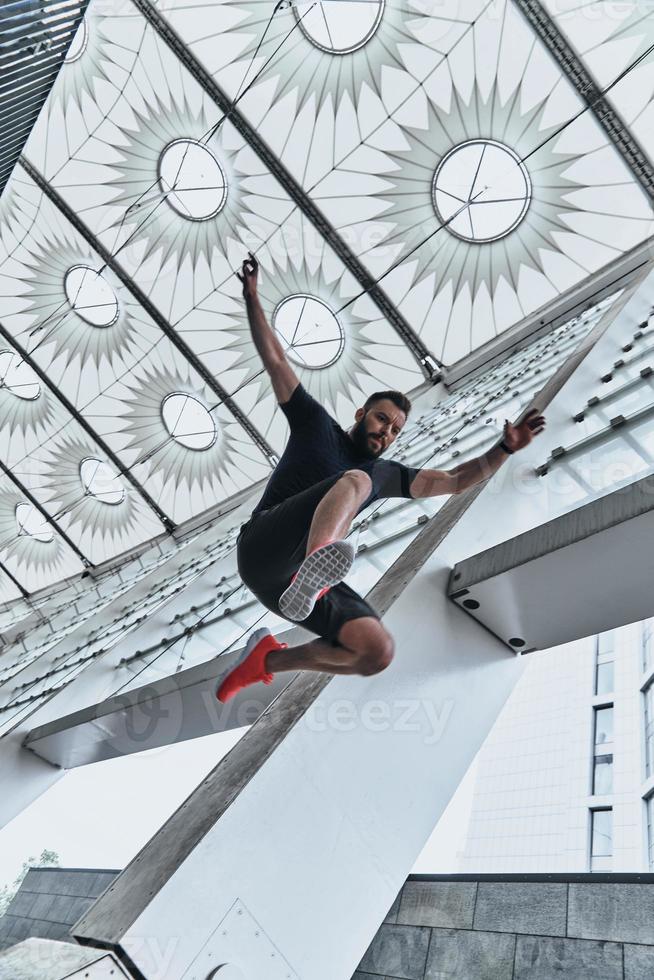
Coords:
622,913
538,958
638,962
535,908
447,904
459,955
400,951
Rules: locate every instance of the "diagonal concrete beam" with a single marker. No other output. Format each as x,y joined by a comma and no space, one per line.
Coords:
504,587
164,712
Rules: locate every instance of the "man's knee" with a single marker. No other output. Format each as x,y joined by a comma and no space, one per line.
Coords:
378,657
361,481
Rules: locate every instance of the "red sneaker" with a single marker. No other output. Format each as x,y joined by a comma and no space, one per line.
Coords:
251,667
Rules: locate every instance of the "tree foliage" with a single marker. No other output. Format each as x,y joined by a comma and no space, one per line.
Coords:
47,859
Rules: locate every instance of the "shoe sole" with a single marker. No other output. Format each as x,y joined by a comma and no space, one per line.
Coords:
256,637
325,567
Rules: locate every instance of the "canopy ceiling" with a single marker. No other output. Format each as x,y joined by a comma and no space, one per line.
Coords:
336,140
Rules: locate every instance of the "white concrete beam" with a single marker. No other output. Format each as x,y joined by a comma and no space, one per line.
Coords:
602,551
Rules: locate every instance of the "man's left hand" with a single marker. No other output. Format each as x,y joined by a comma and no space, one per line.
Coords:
520,435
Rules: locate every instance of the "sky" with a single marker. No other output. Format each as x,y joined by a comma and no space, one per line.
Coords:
99,816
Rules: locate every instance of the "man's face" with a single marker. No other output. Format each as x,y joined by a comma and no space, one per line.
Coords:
376,429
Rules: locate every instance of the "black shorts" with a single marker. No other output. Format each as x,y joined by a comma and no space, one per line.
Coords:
272,545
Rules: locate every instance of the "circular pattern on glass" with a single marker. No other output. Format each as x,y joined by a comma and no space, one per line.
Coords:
101,481
339,28
18,377
78,44
192,180
309,330
32,524
91,296
188,421
483,189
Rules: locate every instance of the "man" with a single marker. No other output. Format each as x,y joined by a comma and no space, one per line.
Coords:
292,553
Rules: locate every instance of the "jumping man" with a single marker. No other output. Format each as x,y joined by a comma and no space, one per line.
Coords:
292,553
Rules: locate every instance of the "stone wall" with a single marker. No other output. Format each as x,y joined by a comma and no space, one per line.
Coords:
50,901
516,927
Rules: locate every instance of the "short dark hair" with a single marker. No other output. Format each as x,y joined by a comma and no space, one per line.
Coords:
396,397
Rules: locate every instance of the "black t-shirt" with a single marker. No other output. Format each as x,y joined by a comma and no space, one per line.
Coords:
319,448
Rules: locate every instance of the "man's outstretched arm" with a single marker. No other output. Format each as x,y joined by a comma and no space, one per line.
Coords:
432,483
283,377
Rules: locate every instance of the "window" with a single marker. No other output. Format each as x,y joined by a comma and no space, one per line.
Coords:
604,674
603,725
604,678
647,627
601,846
650,831
649,729
603,775
605,644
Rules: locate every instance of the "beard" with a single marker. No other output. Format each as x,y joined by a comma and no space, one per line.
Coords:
361,439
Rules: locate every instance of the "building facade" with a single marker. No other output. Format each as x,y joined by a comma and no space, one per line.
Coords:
565,781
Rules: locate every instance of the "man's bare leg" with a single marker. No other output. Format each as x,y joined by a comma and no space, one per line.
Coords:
337,509
364,647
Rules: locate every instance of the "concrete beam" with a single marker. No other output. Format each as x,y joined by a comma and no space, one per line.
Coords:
164,712
603,549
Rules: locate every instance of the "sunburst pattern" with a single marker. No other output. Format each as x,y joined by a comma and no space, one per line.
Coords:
239,40
100,527
182,480
49,320
35,563
361,106
26,411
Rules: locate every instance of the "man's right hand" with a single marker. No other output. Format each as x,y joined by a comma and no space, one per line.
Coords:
248,276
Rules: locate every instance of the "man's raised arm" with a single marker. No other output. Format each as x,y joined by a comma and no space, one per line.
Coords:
283,377
431,483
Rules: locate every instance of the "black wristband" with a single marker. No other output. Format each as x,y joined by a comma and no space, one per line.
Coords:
506,449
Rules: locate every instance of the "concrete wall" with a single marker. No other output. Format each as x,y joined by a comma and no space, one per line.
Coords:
516,927
50,901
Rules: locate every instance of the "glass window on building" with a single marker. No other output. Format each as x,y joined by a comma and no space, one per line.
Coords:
649,729
605,645
650,831
603,775
601,833
647,627
603,725
604,678
604,674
